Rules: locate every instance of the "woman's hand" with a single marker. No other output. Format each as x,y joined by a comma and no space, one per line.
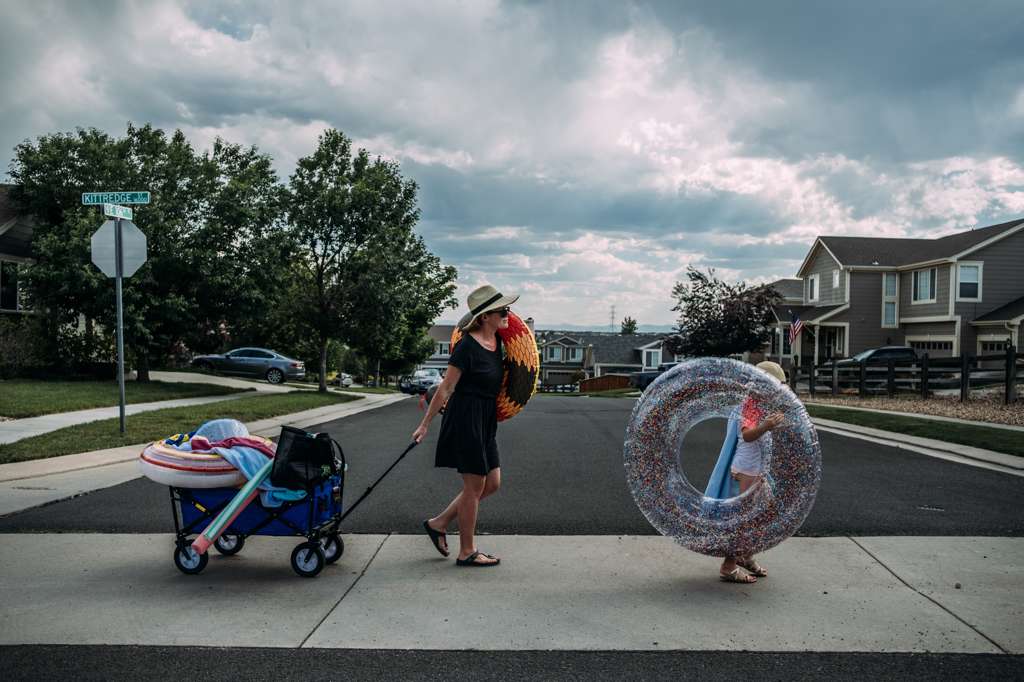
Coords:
419,433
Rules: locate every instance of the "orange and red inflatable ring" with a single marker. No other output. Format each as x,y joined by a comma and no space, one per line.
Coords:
522,365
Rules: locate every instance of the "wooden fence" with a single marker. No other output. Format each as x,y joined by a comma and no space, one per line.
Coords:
607,382
921,377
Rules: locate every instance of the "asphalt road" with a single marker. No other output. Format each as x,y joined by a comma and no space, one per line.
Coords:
163,663
563,475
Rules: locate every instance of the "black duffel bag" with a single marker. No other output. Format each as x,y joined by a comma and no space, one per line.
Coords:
304,460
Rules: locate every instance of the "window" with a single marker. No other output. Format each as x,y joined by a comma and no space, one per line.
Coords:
555,353
9,298
787,349
890,299
652,358
444,348
575,354
889,290
262,354
932,345
812,288
889,314
968,277
992,346
835,279
924,286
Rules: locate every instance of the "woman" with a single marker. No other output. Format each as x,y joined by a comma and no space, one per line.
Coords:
470,424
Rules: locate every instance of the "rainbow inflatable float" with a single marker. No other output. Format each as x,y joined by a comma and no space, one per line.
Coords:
522,365
168,465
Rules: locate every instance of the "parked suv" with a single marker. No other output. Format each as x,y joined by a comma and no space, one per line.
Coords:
256,362
642,380
879,356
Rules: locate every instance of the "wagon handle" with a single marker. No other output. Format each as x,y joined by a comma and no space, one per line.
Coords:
374,484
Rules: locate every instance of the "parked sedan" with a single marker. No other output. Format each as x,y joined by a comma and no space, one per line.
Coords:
424,379
255,362
343,380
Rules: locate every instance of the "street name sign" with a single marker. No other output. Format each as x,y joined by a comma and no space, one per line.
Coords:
97,198
133,248
115,211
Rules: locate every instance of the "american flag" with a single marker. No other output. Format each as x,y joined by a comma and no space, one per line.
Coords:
796,326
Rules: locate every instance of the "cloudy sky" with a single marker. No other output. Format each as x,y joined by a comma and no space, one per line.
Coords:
581,154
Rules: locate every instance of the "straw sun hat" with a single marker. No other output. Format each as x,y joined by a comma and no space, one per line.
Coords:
773,369
483,300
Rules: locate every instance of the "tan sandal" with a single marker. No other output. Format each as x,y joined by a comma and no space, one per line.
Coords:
737,575
753,567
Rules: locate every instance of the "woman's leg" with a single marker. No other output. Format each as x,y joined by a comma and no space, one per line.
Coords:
469,503
451,512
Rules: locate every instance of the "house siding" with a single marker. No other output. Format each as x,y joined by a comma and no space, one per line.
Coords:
823,264
1002,277
930,329
941,305
865,314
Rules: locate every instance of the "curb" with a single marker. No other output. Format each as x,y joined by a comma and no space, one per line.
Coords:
126,453
999,460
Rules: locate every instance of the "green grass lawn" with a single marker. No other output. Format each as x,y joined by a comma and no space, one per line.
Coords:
999,440
21,398
150,426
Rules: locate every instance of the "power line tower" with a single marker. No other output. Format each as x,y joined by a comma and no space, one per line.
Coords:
611,319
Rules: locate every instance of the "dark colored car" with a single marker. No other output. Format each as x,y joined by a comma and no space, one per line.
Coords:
255,362
880,356
642,380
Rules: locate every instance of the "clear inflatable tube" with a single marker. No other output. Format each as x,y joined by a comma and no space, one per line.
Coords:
763,516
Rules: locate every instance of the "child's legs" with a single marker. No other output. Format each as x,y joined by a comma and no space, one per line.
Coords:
746,482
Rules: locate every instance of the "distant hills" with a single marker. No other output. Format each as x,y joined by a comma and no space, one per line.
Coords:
643,328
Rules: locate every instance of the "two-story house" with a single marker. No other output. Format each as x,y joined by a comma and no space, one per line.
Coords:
563,354
959,293
441,335
15,254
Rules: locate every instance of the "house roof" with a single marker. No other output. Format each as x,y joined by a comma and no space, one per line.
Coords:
441,332
789,288
891,251
785,312
1010,311
608,347
818,312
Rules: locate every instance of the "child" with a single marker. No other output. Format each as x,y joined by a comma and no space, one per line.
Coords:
747,466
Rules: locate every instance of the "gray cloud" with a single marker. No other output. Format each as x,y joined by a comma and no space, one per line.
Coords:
576,150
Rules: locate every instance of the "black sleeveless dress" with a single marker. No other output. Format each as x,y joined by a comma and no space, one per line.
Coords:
469,427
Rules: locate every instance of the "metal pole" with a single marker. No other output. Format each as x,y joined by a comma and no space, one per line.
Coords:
119,267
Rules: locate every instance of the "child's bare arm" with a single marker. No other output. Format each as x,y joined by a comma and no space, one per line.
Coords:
754,432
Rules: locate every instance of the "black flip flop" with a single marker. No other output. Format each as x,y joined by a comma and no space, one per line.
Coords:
471,560
435,537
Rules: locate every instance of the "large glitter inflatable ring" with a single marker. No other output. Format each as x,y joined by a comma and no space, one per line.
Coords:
763,516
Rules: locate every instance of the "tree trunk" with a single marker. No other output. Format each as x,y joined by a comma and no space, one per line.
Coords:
323,366
143,368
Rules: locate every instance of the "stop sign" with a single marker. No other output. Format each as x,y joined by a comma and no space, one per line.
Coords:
133,248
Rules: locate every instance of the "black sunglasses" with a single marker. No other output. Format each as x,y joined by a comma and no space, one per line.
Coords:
503,311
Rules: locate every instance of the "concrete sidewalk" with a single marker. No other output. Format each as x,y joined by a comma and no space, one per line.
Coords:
24,485
16,429
561,593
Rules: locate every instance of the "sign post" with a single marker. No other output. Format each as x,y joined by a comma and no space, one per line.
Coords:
127,255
